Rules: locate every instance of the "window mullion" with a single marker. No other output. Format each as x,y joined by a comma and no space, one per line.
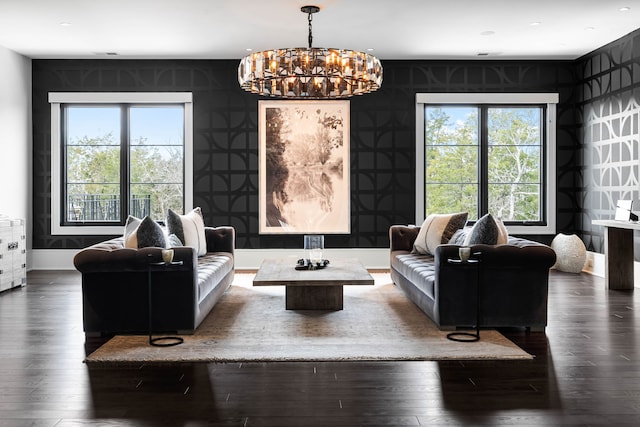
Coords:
483,170
125,170
543,164
64,206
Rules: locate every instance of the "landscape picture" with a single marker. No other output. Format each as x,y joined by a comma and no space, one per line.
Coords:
304,167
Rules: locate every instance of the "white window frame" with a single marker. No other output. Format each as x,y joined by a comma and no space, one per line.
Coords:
551,101
56,99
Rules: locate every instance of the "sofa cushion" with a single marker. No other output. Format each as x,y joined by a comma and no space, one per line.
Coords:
130,226
212,268
418,269
503,233
460,236
173,241
436,230
484,231
143,233
189,229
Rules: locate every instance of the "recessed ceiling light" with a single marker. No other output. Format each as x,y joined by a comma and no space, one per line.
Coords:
65,24
487,33
590,28
249,49
535,23
370,49
625,9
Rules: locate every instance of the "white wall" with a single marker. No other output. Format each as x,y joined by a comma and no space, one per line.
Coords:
246,259
16,138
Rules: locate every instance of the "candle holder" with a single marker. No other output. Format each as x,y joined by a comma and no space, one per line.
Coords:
313,246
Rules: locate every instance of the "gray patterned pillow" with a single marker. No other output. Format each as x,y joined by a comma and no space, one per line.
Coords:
459,236
484,231
174,241
143,233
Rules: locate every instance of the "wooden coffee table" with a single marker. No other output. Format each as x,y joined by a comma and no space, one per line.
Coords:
312,289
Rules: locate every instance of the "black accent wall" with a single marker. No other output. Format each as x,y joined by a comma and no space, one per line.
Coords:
382,138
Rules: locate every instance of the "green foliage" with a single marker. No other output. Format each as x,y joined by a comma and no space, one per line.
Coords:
94,169
514,162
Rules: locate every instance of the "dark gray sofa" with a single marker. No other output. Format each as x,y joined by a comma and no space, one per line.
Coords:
514,282
115,285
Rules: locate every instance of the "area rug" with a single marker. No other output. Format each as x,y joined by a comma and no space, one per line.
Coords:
250,324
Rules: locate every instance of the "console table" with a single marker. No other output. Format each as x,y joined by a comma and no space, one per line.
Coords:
618,252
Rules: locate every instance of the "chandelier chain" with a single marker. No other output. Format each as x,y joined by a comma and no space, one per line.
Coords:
310,18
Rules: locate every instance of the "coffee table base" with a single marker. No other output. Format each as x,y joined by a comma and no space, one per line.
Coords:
314,298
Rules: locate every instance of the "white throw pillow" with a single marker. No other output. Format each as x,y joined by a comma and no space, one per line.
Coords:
189,229
130,235
503,233
436,230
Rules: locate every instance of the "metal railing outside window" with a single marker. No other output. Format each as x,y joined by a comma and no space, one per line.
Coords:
105,207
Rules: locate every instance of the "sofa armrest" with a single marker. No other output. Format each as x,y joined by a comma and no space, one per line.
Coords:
220,239
401,237
524,255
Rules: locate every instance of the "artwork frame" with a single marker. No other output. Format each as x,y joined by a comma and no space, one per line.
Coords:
304,167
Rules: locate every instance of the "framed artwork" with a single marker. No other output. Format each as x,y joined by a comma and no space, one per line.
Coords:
304,167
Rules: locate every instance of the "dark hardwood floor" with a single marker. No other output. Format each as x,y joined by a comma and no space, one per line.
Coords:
586,373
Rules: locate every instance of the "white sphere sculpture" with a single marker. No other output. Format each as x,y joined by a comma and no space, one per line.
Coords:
571,253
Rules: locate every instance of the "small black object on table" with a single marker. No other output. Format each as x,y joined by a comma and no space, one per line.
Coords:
160,341
469,336
305,264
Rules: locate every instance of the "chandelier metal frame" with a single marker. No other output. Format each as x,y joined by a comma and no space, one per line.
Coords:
310,73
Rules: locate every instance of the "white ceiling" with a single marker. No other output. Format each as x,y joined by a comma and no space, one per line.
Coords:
395,29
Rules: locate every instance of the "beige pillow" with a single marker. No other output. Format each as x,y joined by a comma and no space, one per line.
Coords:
436,230
503,233
189,229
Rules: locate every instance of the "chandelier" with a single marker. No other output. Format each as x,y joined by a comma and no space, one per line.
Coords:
310,73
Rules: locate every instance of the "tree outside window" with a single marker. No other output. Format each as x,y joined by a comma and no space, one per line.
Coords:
481,159
106,146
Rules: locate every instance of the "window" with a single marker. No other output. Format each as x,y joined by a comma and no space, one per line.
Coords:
488,153
115,154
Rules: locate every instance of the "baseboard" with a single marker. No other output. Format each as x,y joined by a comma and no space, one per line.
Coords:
52,259
595,264
246,259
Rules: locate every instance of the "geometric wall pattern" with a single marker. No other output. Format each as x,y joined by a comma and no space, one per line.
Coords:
382,138
609,118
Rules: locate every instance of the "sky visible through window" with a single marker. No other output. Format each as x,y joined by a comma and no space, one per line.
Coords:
159,125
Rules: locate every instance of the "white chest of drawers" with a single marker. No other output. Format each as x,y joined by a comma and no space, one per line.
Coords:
13,253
